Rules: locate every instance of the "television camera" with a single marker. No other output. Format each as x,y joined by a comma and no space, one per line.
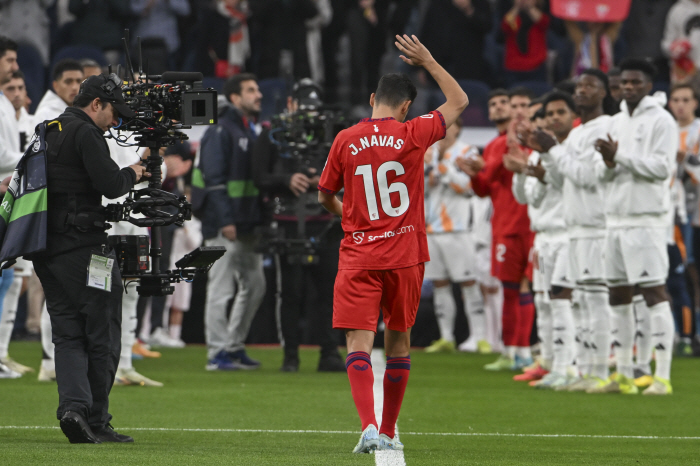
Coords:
162,106
303,139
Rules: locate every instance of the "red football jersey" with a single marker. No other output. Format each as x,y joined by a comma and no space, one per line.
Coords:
509,218
380,164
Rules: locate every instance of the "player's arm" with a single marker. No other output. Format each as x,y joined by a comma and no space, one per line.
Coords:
417,54
331,203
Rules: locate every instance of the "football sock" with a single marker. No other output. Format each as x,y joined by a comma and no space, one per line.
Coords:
175,331
511,313
445,311
395,380
359,368
46,343
544,329
474,307
8,313
623,336
129,303
523,352
580,312
562,335
527,318
600,336
493,307
643,334
662,330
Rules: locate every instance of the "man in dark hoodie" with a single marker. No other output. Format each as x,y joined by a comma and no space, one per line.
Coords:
231,211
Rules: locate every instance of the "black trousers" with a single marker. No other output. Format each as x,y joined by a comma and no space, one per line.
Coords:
86,324
295,278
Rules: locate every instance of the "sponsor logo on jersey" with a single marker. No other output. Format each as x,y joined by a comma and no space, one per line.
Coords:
391,234
358,236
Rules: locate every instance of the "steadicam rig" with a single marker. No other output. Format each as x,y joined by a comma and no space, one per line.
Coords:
160,111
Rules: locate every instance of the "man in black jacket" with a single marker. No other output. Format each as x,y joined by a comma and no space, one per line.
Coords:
280,175
78,272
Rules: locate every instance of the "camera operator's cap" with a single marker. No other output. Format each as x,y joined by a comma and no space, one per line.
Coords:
107,89
307,93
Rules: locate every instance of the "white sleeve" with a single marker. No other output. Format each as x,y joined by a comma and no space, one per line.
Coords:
655,163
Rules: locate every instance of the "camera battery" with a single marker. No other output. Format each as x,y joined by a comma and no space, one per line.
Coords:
132,253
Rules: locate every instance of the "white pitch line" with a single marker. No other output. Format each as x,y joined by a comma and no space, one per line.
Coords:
352,432
388,457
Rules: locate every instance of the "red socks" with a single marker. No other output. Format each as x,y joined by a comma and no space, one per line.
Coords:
395,380
527,318
511,313
359,368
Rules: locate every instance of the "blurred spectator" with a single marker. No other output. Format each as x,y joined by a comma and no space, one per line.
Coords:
100,23
454,31
593,45
27,21
368,23
157,19
90,67
525,29
222,43
314,27
67,76
331,37
280,25
644,29
681,40
614,80
16,92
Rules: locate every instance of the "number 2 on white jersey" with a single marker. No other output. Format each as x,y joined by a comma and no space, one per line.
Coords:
385,189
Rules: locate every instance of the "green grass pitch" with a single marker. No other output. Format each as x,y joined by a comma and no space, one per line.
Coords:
256,411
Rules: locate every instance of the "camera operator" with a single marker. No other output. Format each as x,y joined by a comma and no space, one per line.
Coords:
231,212
82,286
279,175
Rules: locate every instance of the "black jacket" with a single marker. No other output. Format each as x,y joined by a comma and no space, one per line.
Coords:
79,172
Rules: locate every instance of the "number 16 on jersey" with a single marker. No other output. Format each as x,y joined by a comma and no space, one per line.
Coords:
385,189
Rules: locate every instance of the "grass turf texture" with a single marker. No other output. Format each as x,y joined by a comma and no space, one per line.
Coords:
448,393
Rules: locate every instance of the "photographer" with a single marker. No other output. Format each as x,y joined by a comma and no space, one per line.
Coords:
82,286
231,212
281,175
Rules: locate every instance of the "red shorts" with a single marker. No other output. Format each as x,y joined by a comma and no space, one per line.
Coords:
359,294
511,257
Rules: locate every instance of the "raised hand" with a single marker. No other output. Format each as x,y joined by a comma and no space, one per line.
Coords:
414,53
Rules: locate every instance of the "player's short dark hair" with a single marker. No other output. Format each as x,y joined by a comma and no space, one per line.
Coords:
614,72
394,89
678,86
556,96
521,91
67,64
566,85
639,64
18,75
498,92
233,84
610,107
7,44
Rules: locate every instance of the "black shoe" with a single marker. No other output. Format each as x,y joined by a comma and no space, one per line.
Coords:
107,434
76,428
331,364
290,364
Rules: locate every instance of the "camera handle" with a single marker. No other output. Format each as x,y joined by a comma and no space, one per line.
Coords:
153,166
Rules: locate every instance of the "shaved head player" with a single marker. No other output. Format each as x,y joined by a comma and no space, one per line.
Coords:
379,163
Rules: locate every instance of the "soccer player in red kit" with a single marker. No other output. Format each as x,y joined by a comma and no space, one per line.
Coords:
379,163
512,237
